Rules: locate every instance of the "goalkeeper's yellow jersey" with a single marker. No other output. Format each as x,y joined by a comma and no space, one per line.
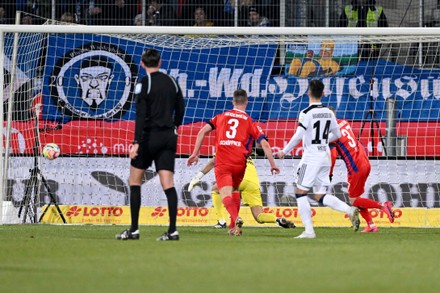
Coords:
251,172
250,185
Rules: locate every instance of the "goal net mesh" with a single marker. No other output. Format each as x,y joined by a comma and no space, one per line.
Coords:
76,90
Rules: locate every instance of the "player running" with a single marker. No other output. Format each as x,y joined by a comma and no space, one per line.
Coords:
358,166
315,123
235,131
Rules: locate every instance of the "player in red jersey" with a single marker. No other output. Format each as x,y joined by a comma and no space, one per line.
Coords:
356,160
235,132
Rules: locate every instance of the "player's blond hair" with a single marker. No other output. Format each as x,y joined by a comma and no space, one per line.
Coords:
240,97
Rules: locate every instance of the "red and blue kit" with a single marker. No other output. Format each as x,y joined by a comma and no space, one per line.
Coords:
356,160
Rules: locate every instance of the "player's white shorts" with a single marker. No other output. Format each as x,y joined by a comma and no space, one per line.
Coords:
313,176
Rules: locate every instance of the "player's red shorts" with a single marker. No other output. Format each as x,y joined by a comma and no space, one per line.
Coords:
227,175
356,181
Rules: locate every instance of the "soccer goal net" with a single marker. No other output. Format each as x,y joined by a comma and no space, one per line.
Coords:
73,86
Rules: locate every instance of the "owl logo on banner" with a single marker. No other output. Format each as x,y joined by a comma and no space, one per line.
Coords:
93,81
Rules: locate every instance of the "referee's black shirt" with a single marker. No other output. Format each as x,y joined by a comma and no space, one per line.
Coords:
159,103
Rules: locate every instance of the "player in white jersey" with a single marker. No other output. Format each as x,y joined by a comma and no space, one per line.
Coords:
315,124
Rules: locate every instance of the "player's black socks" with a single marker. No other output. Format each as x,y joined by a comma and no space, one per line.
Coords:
321,201
172,207
135,206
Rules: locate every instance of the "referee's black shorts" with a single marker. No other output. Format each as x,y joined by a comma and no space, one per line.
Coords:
158,145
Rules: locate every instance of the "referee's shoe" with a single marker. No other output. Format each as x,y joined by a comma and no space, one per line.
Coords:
169,236
128,235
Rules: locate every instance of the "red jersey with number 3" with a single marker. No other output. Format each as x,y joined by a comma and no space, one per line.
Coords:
235,132
350,149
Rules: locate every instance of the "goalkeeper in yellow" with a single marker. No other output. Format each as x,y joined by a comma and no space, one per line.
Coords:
250,196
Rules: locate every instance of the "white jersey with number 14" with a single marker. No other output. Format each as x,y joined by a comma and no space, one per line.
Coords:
318,121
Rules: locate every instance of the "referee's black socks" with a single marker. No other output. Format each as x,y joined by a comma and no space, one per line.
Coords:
135,206
172,207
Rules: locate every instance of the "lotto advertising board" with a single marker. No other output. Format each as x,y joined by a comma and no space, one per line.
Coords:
202,216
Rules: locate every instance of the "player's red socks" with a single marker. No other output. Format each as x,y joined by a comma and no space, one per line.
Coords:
366,215
366,203
231,208
237,200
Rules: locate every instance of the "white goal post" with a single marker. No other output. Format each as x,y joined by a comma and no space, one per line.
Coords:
73,85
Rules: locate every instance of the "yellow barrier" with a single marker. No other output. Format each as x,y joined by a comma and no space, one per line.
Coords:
192,216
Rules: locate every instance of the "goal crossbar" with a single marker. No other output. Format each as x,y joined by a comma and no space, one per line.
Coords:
219,30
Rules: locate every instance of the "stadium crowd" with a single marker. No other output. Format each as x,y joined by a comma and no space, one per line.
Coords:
274,13
132,12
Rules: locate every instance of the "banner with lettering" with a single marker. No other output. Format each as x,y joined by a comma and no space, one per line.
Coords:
369,85
92,76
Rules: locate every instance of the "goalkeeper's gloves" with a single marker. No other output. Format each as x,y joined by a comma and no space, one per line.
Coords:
195,180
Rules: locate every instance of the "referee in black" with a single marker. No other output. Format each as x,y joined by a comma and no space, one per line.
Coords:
159,111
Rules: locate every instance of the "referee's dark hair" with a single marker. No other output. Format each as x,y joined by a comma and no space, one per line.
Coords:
240,97
316,88
151,58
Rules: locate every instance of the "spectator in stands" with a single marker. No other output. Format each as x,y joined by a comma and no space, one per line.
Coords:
364,13
94,15
255,19
201,18
159,12
27,19
213,8
3,19
67,17
243,7
9,13
153,13
75,7
138,20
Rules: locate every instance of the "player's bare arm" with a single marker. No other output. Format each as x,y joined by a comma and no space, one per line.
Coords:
268,152
281,154
194,158
294,141
205,170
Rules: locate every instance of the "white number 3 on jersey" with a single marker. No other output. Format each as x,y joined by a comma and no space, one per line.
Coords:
232,132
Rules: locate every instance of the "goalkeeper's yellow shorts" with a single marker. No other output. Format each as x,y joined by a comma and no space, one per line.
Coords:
250,190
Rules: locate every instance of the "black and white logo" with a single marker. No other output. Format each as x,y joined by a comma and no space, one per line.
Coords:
94,81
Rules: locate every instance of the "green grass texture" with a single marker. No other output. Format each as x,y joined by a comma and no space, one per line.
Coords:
57,258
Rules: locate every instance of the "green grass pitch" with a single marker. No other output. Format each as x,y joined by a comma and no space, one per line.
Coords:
52,258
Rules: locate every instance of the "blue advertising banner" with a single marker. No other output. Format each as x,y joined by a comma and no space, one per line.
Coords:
92,77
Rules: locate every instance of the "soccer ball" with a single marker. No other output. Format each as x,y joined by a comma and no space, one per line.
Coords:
51,151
